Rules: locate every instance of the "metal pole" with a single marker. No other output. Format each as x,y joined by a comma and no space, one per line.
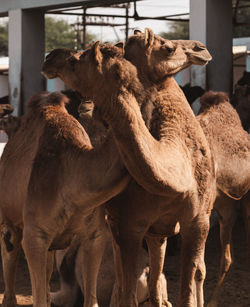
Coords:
127,22
84,29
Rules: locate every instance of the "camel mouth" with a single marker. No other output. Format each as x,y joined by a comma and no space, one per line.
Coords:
201,58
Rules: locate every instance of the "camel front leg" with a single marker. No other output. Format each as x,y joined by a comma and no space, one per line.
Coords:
35,247
227,216
90,256
50,267
10,250
200,275
157,248
194,234
127,248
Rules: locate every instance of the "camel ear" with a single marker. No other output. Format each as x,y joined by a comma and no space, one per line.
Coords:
120,45
149,37
137,32
97,52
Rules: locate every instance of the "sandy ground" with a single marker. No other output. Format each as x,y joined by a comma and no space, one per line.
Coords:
236,291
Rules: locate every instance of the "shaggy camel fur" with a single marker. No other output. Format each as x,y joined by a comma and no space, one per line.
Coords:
37,165
230,146
69,262
183,180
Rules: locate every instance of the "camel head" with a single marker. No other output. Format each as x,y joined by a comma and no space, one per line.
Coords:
59,63
5,109
157,58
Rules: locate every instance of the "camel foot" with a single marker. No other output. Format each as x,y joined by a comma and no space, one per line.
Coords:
166,304
9,301
149,304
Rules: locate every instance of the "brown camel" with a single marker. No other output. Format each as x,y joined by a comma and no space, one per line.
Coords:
230,146
70,260
37,164
175,163
90,243
221,125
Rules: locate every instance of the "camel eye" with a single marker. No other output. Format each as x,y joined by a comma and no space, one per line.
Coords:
169,50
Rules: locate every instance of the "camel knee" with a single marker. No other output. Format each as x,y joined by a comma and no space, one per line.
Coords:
9,237
227,262
200,274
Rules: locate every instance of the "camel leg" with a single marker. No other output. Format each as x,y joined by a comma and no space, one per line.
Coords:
227,214
200,275
246,214
194,234
10,250
50,267
157,249
35,245
91,253
127,248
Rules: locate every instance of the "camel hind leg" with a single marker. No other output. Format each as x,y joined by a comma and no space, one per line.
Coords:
35,244
194,234
10,250
226,208
157,248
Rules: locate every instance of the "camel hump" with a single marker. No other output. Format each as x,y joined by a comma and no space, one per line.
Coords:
45,98
211,98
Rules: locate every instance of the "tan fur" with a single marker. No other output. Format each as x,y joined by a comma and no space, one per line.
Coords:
47,198
230,147
178,167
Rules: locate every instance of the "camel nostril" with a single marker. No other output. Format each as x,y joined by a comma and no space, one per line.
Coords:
199,47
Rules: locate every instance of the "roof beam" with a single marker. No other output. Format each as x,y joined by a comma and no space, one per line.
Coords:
6,6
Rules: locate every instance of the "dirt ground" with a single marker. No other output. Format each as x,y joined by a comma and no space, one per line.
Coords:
236,291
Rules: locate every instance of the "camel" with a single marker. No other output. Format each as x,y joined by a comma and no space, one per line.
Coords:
230,146
69,262
37,160
230,179
5,109
173,169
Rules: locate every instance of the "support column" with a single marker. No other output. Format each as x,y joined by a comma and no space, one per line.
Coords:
26,54
211,23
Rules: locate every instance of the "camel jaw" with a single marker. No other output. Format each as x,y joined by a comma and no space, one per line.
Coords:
49,75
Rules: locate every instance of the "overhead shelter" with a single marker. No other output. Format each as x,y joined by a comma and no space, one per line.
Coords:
210,22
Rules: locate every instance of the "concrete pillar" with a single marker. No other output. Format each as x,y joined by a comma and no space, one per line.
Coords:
26,53
211,23
197,31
